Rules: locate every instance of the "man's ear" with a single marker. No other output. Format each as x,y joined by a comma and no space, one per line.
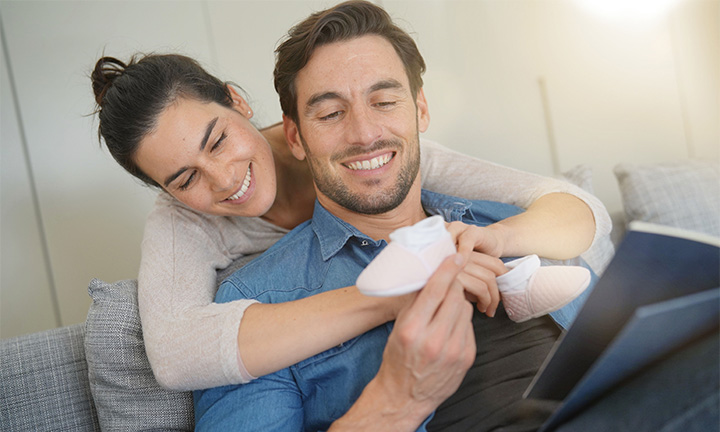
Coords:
239,104
423,111
292,137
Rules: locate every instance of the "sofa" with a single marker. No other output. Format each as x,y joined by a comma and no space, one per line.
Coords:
96,376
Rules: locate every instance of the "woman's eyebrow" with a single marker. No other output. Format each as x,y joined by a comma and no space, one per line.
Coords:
203,143
208,131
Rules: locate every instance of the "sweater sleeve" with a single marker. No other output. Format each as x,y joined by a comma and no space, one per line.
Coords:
449,172
191,341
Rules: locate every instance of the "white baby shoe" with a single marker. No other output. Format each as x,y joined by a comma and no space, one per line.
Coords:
406,263
529,290
415,252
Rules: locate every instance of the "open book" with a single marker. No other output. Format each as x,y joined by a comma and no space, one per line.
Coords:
661,291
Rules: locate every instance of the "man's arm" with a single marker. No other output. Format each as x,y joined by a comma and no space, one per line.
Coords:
426,357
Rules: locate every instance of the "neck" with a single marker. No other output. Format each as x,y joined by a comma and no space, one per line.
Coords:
295,191
379,226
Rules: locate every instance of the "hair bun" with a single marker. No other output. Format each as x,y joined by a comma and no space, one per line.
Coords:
107,69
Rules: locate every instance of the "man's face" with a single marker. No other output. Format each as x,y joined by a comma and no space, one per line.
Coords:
358,125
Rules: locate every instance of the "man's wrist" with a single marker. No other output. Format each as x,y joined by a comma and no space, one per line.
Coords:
377,409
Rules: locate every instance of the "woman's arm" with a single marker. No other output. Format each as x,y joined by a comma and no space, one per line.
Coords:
194,343
556,226
274,336
561,221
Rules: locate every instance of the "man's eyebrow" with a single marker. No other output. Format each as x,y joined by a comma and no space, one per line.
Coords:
318,98
203,143
385,84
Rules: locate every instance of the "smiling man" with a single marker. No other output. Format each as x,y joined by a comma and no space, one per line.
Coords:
350,87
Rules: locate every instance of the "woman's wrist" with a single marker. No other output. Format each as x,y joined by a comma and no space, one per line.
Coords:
386,309
503,237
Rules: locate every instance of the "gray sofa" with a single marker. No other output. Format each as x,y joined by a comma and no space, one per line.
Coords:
89,377
96,376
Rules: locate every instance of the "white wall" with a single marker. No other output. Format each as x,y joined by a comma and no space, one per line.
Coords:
541,85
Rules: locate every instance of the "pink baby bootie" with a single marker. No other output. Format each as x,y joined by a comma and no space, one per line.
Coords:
406,263
529,290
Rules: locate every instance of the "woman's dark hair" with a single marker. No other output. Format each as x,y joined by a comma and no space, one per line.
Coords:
130,98
345,21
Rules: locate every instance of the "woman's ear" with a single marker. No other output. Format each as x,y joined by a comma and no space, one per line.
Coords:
292,137
239,104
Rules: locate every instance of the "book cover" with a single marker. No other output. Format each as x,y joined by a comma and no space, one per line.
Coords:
653,264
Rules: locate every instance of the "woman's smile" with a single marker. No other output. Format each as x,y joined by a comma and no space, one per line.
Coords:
246,188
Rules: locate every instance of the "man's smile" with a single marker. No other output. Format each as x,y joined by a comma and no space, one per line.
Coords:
370,164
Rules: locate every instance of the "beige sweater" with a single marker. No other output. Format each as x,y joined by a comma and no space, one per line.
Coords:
191,342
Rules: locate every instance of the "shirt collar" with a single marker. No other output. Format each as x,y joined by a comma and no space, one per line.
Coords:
333,233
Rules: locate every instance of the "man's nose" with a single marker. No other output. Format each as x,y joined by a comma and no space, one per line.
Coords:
362,127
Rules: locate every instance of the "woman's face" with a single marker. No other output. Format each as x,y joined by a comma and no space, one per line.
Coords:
210,158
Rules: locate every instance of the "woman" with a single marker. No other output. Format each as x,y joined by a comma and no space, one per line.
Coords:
230,190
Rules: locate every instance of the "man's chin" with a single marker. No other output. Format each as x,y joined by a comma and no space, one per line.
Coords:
380,203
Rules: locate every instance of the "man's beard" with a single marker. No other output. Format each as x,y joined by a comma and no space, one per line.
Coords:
377,202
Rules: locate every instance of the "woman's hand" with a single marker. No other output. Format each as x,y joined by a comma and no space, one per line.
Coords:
489,240
480,248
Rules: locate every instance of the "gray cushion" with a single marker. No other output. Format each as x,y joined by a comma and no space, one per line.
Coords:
126,394
44,382
682,194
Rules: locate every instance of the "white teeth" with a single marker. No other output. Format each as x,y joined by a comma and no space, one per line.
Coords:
244,188
373,163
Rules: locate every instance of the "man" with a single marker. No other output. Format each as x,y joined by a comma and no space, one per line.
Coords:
356,97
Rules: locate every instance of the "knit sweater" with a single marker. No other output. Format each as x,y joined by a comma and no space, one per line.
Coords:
191,341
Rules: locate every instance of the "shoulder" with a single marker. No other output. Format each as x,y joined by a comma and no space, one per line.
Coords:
280,268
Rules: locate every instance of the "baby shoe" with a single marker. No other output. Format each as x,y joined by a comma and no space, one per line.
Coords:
406,263
529,290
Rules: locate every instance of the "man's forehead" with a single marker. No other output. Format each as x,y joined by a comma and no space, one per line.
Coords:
355,63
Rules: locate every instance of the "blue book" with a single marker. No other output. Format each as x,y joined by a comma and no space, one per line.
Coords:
661,291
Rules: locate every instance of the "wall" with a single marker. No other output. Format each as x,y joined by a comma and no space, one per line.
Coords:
540,85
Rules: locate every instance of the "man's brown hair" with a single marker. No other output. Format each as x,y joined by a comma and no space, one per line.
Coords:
345,21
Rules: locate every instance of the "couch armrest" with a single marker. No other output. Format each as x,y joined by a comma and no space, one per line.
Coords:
44,382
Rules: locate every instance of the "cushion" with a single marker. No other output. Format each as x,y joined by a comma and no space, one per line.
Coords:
601,252
682,194
44,382
126,394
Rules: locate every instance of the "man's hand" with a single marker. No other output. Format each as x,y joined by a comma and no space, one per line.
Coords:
478,279
426,357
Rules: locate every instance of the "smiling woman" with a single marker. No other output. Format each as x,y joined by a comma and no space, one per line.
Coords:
210,158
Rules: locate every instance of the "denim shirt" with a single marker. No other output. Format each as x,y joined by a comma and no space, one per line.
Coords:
322,254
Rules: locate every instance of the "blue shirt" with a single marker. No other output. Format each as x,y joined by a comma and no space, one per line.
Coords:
323,254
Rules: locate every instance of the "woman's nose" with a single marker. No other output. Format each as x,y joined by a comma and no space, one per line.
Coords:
222,176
